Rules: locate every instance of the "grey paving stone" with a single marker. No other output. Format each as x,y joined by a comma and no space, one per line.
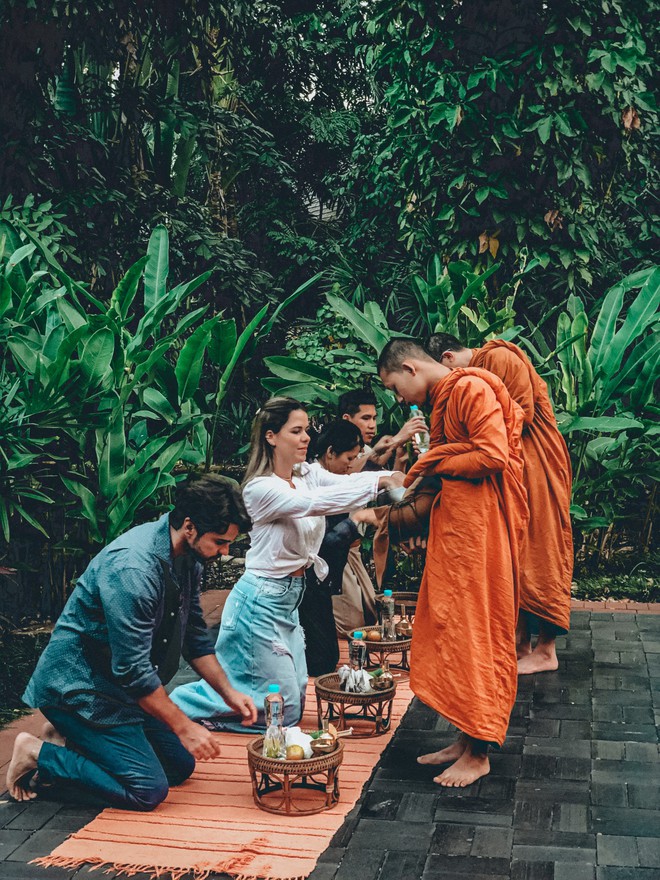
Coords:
570,817
416,807
361,862
546,727
555,791
554,839
537,815
522,870
642,752
23,871
454,840
35,816
640,716
574,871
41,843
565,713
609,794
643,797
407,836
467,817
557,747
10,841
575,730
494,843
649,851
625,822
626,732
626,874
447,867
616,850
323,871
553,854
381,805
622,771
403,866
607,750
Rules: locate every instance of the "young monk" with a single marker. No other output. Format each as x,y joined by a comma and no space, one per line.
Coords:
464,649
546,568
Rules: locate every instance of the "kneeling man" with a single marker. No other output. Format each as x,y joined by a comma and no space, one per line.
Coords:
113,732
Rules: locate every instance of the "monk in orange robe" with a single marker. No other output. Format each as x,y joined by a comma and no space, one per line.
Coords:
463,658
547,558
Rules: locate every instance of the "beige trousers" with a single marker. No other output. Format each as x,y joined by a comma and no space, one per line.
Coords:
356,606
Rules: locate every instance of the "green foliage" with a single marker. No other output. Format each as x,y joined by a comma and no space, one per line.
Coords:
105,400
506,127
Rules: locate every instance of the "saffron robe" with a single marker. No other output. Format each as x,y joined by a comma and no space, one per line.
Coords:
546,567
463,657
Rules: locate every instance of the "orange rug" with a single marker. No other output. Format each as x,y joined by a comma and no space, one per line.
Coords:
211,824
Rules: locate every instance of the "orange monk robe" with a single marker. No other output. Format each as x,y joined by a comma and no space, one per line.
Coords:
546,567
463,659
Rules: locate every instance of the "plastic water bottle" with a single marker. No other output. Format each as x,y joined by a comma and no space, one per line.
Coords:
421,437
387,615
274,740
357,651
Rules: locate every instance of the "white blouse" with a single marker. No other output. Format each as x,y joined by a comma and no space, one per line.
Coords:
288,524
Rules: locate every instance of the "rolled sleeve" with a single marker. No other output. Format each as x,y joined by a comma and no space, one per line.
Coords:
130,598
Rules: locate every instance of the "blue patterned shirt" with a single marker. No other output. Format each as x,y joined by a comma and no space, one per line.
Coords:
101,658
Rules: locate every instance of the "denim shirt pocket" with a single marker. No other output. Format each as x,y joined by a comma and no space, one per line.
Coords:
233,609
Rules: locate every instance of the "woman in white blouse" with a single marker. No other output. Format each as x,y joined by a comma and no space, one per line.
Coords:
261,640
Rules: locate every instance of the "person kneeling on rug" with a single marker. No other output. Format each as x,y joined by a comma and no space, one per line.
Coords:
113,732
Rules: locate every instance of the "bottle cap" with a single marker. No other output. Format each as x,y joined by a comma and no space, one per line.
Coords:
358,634
414,408
387,592
273,688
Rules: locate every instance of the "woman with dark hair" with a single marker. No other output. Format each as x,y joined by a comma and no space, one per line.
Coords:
261,640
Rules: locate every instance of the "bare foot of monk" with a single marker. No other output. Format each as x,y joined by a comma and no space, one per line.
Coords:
538,661
52,735
466,770
23,762
445,756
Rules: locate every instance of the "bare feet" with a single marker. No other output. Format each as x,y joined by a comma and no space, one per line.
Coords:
52,735
467,769
538,661
446,756
523,649
23,762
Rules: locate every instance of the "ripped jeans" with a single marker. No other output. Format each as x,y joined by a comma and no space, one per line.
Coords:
260,642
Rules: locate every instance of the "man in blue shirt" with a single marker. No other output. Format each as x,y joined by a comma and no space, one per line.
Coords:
116,735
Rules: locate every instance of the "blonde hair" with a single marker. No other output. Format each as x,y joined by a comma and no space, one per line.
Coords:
272,416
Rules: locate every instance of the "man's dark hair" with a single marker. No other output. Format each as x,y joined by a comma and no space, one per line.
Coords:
351,401
212,502
438,343
397,350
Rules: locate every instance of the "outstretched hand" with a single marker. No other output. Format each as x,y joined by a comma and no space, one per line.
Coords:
243,705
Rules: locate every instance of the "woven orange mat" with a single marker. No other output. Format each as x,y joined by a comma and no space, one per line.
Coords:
210,824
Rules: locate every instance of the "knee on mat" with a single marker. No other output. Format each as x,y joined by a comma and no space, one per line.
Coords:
183,770
147,799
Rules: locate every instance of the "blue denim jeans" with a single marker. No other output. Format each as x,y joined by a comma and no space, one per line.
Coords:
260,642
130,766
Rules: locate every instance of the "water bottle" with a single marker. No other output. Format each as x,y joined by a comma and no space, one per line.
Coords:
357,651
387,615
274,740
421,437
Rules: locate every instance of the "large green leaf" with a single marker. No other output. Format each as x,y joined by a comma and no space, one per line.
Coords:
601,424
6,295
159,404
111,453
88,503
302,391
189,364
242,341
125,292
641,312
96,360
157,268
223,342
297,370
642,362
366,331
605,327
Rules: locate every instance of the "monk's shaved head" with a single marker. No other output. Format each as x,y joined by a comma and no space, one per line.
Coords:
439,343
397,351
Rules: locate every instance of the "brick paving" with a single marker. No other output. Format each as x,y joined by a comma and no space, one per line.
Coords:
573,795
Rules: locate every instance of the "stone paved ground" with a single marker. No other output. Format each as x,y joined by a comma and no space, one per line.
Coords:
574,795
